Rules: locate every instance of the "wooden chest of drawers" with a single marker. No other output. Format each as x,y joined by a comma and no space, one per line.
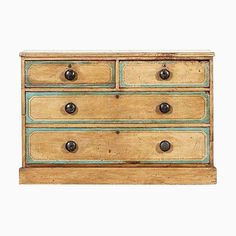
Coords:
125,118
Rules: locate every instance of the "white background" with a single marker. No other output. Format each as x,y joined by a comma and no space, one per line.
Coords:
117,25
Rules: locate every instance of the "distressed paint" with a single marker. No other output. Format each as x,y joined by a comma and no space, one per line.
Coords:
205,119
28,64
123,84
206,131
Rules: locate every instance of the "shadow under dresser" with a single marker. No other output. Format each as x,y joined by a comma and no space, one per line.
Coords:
117,118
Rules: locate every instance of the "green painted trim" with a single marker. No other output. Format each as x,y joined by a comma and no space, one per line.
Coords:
28,64
124,84
29,120
29,131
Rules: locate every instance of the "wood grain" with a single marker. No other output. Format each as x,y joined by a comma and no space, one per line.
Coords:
117,75
53,125
117,107
23,122
90,73
73,54
211,113
125,145
182,73
117,175
94,89
131,164
99,72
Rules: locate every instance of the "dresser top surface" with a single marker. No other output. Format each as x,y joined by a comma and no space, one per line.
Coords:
123,54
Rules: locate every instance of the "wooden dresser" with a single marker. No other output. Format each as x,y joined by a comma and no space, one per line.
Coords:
117,118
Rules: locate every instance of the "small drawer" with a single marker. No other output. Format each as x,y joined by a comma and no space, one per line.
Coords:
164,74
70,74
116,145
117,107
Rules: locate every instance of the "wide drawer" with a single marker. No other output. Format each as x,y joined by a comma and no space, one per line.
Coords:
70,74
164,74
116,145
117,107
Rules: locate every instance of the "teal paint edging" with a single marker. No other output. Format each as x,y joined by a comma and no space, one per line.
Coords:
123,84
205,119
28,64
206,159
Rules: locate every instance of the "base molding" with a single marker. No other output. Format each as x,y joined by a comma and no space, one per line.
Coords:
124,175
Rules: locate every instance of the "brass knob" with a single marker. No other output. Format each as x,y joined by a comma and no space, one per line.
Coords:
165,146
164,74
70,146
70,75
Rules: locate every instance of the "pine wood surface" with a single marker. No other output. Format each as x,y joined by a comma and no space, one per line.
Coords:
125,145
71,54
37,175
96,72
144,73
191,72
129,107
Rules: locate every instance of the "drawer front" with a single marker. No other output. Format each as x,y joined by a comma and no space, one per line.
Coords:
70,74
116,145
164,74
117,107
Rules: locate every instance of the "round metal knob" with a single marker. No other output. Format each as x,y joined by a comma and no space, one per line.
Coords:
70,74
71,146
165,146
70,108
164,74
164,107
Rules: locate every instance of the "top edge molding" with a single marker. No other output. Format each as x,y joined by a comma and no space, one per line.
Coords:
117,54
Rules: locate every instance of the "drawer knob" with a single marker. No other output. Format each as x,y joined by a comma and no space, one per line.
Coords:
164,74
70,74
165,146
164,107
70,108
71,146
